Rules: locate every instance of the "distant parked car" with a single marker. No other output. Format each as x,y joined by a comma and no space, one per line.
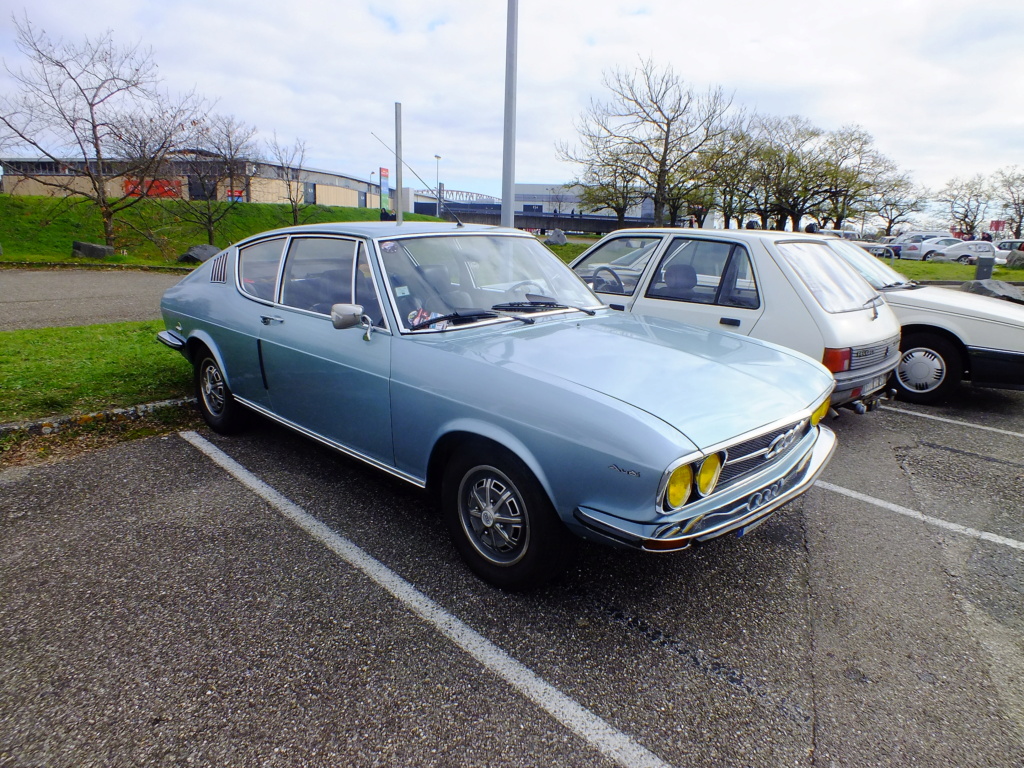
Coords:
923,249
965,252
949,336
783,287
1006,247
470,361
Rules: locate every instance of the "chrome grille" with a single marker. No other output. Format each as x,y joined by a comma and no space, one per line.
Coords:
751,455
219,270
871,355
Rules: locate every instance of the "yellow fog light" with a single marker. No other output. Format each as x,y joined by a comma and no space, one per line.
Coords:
820,412
708,474
680,483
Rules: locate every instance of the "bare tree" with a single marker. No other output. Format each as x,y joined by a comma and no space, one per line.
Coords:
96,112
654,122
219,164
608,180
1008,187
288,163
897,199
967,201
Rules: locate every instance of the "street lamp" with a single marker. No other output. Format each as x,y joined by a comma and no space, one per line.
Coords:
437,182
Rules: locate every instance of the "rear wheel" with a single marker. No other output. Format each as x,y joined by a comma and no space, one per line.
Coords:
501,520
216,403
930,369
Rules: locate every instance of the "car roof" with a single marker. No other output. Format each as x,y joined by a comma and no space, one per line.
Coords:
384,229
746,235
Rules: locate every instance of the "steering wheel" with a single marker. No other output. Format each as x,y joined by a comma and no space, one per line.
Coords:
524,285
618,285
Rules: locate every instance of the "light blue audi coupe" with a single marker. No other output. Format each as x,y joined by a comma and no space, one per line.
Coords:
470,361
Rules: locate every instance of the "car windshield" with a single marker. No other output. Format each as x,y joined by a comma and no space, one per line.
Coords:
880,275
439,282
835,285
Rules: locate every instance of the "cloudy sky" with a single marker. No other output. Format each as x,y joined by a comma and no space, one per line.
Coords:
938,83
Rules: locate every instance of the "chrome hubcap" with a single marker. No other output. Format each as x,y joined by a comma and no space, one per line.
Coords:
493,515
213,389
921,370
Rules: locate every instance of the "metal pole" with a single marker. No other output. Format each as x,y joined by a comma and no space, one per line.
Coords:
400,202
508,168
437,182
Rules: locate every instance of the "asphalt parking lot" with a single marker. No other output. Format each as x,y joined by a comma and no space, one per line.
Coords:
261,601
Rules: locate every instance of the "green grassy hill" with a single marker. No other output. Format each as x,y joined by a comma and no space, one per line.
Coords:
43,228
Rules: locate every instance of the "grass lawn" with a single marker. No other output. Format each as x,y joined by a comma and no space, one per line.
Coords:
62,371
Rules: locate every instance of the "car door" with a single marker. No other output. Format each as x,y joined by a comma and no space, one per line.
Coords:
706,282
332,383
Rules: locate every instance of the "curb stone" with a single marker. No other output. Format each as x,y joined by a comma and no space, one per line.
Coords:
51,426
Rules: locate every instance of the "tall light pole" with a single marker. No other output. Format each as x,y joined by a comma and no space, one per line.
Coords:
437,182
508,167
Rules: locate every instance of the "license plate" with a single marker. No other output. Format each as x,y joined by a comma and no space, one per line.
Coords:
876,383
748,528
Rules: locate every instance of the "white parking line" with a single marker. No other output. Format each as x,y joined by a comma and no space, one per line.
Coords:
608,740
973,532
952,421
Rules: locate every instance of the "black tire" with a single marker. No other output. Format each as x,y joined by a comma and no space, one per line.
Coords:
518,544
216,403
928,256
930,368
964,259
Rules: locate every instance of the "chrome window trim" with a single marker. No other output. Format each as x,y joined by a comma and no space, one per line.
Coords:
341,448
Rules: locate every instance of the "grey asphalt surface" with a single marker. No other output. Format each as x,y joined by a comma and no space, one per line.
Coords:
31,298
156,612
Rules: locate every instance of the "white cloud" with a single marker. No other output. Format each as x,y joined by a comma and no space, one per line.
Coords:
936,82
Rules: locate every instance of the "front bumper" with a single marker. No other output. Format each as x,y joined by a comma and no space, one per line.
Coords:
740,509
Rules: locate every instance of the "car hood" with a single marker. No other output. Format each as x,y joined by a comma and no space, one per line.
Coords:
953,302
709,385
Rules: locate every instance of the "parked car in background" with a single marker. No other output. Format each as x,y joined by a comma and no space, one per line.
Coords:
949,336
1006,247
923,249
964,252
472,362
783,287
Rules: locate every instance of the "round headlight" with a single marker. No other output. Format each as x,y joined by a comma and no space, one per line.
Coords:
708,474
820,412
680,483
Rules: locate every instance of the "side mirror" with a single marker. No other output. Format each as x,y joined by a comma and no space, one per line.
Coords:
346,315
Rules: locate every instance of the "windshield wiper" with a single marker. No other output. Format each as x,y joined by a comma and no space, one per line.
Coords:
540,303
467,315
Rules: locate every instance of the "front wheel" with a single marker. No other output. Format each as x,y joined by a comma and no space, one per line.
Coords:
501,520
930,369
964,259
216,403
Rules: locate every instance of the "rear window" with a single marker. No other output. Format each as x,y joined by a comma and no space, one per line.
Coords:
835,285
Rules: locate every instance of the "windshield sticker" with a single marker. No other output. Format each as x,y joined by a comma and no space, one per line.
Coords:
389,247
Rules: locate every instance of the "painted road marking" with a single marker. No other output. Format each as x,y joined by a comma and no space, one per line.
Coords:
952,421
607,739
962,529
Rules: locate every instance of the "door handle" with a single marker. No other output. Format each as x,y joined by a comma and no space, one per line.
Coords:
268,320
729,321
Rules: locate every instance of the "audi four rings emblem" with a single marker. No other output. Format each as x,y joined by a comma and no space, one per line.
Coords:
781,443
765,495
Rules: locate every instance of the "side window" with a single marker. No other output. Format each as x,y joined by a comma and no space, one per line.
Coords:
318,273
366,292
257,268
617,265
706,272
